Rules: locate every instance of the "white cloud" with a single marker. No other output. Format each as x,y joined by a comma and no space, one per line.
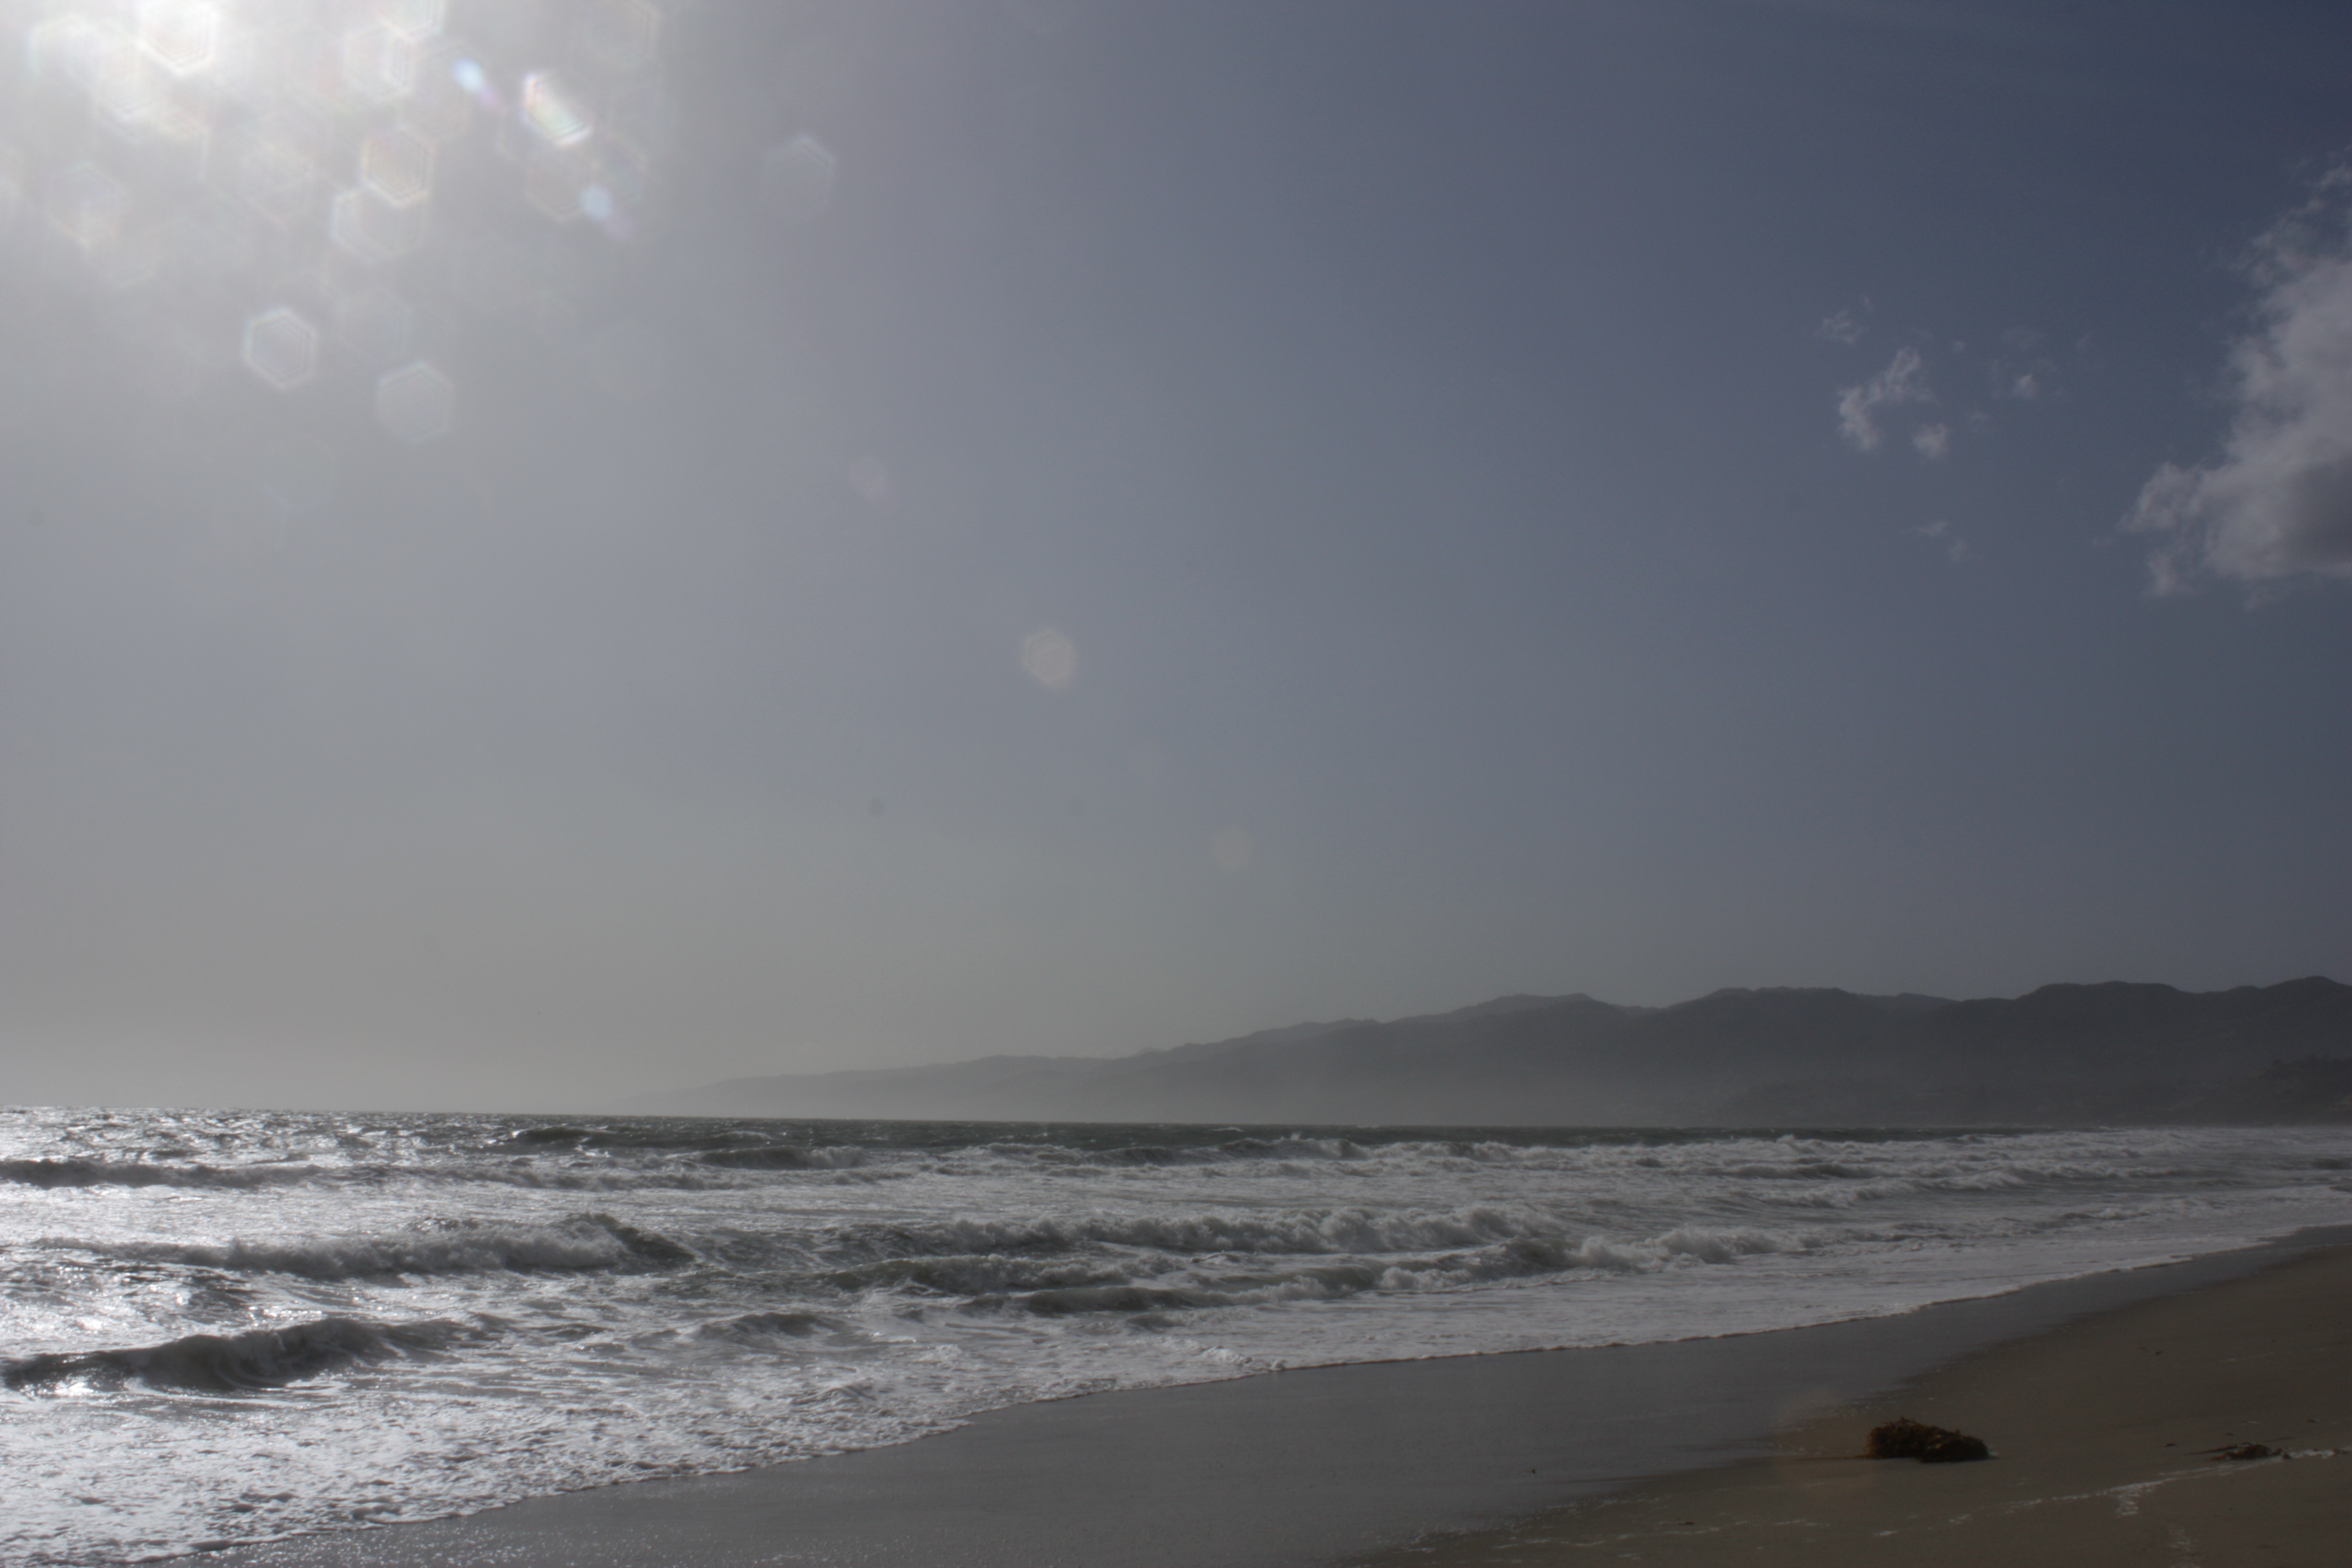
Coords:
1932,440
1842,326
2278,502
1904,380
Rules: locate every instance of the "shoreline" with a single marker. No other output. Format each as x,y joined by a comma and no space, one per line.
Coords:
1303,1469
2111,1440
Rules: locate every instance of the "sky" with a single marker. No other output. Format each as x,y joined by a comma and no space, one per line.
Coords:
552,550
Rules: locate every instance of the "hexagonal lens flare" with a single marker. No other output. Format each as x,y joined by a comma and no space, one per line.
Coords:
551,110
417,403
798,177
281,348
412,18
254,181
275,176
379,64
397,164
1051,658
182,36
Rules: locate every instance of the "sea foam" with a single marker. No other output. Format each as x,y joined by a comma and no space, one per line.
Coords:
235,1325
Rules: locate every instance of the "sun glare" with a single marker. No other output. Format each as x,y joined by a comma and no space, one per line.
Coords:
253,167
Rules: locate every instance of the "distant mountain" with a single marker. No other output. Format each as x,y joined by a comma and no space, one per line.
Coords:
2113,1052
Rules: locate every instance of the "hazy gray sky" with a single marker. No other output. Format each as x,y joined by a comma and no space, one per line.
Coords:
549,550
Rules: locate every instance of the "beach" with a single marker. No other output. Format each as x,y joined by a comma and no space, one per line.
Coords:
2103,1432
1404,1462
971,1342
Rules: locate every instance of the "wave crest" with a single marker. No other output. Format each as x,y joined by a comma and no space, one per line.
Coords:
86,1173
231,1363
583,1243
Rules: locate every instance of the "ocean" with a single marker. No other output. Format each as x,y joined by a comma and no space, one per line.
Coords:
235,1326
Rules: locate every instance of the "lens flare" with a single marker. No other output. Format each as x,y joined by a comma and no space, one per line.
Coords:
799,177
182,38
262,183
550,110
417,402
281,348
397,166
1050,658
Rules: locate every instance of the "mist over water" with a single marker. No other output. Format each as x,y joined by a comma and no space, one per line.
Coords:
303,1322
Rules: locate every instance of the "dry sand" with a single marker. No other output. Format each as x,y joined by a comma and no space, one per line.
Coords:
2097,1429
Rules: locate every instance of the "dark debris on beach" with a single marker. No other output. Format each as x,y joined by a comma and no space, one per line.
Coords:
1904,1438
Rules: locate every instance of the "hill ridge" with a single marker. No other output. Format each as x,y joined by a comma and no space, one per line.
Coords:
2066,1051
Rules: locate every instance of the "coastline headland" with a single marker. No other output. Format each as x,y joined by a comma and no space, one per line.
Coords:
2063,1055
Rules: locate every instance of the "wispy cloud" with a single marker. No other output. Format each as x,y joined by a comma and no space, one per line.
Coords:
1932,441
1842,326
1943,533
2278,502
2024,372
1904,380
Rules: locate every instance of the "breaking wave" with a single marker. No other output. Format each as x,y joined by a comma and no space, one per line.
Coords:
1522,1257
86,1173
582,1242
481,1308
231,1363
1316,1230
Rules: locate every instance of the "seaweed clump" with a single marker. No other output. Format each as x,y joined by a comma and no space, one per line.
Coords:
1904,1438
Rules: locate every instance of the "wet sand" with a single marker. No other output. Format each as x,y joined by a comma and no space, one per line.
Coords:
2101,1431
1339,1465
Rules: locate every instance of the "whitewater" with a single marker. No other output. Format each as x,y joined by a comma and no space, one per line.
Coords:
232,1326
